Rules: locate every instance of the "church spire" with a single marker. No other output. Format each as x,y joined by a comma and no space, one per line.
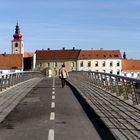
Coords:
124,55
17,36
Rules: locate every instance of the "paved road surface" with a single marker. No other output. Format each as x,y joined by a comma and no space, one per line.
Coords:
48,112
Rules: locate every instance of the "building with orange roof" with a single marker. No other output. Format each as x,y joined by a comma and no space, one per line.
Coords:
50,61
108,61
11,63
131,68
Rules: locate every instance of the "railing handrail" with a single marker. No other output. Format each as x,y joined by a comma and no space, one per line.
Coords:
114,75
3,74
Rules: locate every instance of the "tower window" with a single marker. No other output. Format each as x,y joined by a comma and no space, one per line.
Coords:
16,44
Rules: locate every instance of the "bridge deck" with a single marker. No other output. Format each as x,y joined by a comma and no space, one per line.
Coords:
122,119
46,112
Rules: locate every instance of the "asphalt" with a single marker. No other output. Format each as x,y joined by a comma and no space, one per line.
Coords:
40,109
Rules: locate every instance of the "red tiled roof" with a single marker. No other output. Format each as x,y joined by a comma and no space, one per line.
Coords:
28,54
99,54
57,54
10,60
130,65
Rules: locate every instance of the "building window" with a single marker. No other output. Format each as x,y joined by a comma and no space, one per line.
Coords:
96,70
81,64
55,64
16,44
111,64
118,64
118,72
103,63
138,75
48,64
125,74
104,71
72,64
96,64
89,63
111,72
132,74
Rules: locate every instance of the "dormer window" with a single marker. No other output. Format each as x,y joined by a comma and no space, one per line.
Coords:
116,55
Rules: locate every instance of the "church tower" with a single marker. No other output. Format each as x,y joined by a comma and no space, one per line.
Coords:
17,42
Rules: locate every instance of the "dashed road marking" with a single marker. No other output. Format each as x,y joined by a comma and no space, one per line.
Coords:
52,116
51,134
53,97
53,92
53,88
53,105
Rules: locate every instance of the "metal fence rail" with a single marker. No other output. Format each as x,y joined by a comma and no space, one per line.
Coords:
128,88
10,79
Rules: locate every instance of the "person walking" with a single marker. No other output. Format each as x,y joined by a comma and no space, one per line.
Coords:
63,73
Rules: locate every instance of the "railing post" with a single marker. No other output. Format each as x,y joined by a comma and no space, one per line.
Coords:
106,83
117,86
1,83
102,81
111,84
124,86
133,92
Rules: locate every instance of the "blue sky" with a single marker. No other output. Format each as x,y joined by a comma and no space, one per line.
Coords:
83,24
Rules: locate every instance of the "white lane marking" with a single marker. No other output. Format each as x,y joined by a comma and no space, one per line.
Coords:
53,92
53,88
53,105
51,134
52,116
53,97
53,82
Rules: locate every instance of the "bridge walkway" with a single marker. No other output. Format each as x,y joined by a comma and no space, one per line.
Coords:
122,119
39,109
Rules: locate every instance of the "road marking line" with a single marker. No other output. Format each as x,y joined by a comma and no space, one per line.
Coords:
53,88
53,82
53,97
53,105
51,134
52,116
53,92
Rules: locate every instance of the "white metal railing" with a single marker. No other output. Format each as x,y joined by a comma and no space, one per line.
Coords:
10,79
128,88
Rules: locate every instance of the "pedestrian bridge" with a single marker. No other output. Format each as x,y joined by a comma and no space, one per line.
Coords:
111,102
